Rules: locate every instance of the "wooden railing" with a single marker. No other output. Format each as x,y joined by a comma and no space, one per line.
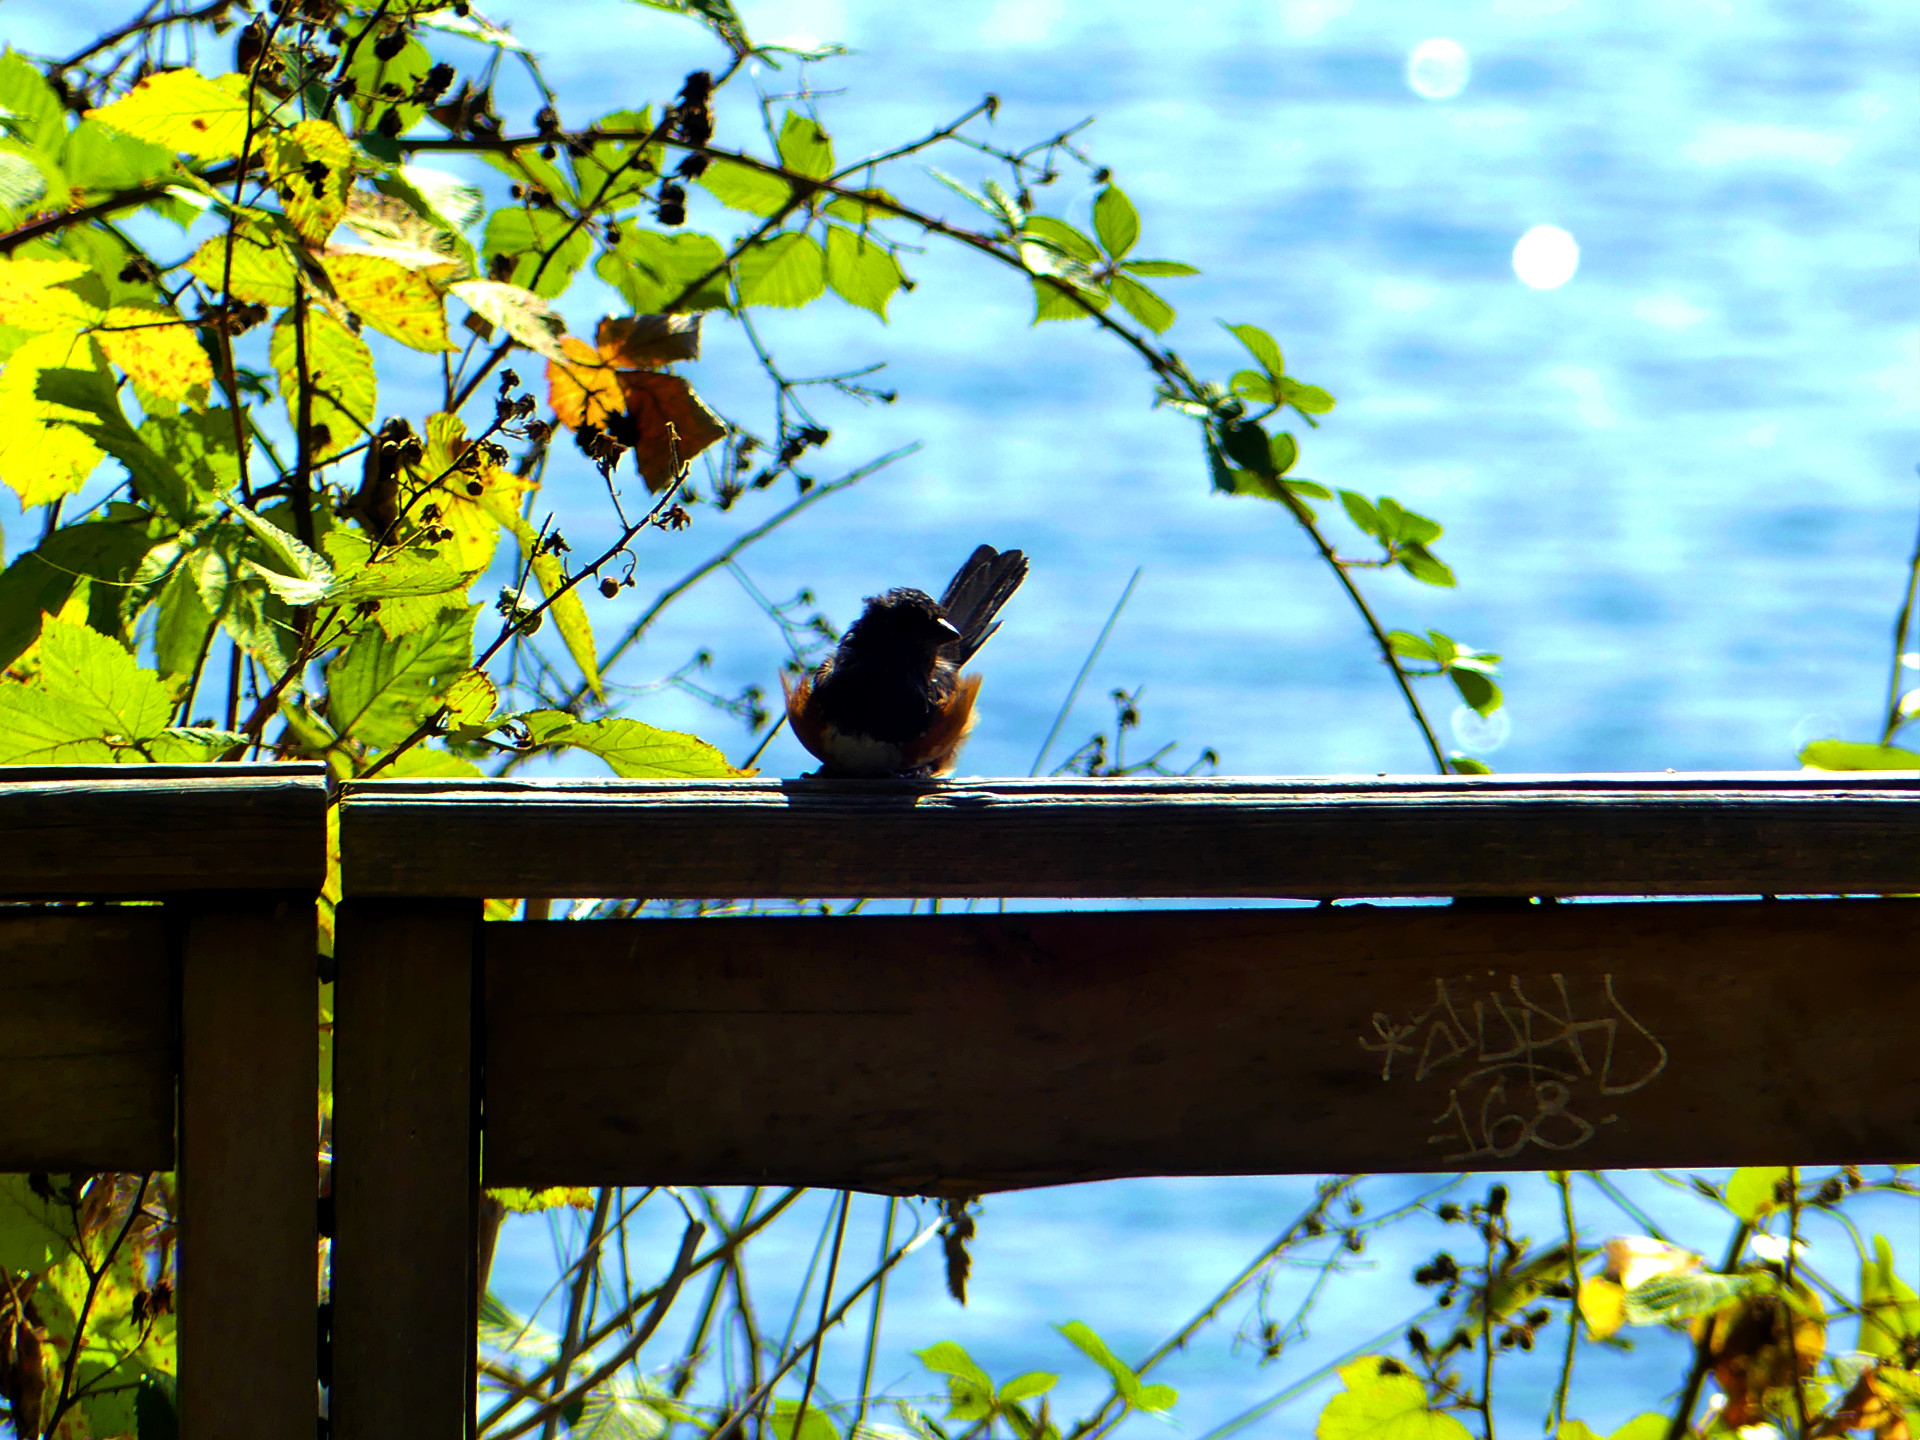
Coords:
935,1054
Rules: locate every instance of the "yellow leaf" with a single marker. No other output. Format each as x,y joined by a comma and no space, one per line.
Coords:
42,454
585,388
468,490
32,297
471,699
262,272
396,301
1603,1305
521,313
340,371
183,111
160,355
569,612
311,167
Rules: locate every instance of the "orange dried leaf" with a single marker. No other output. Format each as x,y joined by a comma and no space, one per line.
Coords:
586,389
670,425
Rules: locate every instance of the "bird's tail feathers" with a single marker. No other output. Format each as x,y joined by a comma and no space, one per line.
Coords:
976,593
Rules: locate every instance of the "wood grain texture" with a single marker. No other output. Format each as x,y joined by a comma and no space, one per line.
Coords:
406,1170
250,1054
1501,835
136,831
964,1054
87,1040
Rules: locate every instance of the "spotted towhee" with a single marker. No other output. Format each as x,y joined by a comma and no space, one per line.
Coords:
891,700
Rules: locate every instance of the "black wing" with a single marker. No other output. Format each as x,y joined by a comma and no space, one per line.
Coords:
976,593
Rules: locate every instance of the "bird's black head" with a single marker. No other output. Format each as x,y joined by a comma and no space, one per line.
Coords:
901,624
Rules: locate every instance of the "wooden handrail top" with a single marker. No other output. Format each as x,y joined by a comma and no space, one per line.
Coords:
142,831
1505,835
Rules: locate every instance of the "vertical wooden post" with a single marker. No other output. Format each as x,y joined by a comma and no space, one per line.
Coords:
248,1167
406,1169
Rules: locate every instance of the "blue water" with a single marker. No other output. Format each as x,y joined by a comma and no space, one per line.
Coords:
1678,491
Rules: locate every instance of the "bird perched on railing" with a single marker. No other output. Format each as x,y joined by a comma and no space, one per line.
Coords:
891,699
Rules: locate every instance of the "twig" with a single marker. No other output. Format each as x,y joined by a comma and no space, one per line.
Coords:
1682,1420
1073,690
1901,629
826,1299
1558,1415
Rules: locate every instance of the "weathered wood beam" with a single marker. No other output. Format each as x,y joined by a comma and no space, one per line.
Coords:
249,1167
406,1170
88,1045
1468,836
964,1054
136,831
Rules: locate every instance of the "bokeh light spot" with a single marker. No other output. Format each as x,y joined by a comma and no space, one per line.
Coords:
1438,69
1546,257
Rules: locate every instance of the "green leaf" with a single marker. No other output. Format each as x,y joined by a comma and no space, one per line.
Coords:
1159,269
1025,1387
741,187
1284,451
525,237
185,623
815,1425
633,750
1751,1190
263,269
1311,488
1461,764
340,372
1399,524
380,688
861,271
1083,1338
34,112
1383,1401
1155,1399
1062,238
1057,298
1420,563
1857,755
1889,1309
1141,303
1115,222
1308,399
1480,693
1667,1299
359,576
608,175
1247,444
39,582
310,166
100,160
1254,385
786,271
182,111
651,270
805,147
569,611
861,212
34,1233
1361,511
969,1391
1262,346
100,686
1409,646
395,299
374,102
297,575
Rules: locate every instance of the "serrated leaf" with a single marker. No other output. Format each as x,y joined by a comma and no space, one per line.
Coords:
99,160
544,246
805,147
1857,755
182,111
26,176
360,575
1262,346
36,295
380,688
741,187
1141,303
854,211
1115,222
39,582
861,271
521,313
949,1357
471,699
1061,238
161,356
263,271
786,271
44,451
340,371
653,270
1055,298
33,110
1424,566
310,165
637,751
398,301
183,624
1378,1405
101,685
1083,1338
